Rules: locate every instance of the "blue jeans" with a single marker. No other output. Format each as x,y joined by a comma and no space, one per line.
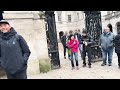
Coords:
81,50
76,58
109,52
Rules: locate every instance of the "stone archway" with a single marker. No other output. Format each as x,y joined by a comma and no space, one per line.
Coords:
118,26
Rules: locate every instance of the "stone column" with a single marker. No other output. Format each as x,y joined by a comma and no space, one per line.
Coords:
32,28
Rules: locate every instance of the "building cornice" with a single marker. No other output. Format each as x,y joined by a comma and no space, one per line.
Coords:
112,15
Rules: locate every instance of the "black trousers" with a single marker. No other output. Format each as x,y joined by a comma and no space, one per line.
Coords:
118,54
88,51
64,51
19,75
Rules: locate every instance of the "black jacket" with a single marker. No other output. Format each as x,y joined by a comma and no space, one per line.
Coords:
78,36
117,43
14,52
63,40
87,39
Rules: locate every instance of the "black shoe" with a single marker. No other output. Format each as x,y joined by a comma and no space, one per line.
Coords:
118,67
73,68
84,65
89,66
64,57
77,68
103,64
109,64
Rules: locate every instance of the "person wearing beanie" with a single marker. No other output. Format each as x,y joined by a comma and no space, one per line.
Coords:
87,42
14,52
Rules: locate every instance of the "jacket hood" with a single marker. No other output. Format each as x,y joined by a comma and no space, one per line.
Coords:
7,35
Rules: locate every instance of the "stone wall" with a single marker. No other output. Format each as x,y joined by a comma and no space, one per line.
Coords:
113,22
32,28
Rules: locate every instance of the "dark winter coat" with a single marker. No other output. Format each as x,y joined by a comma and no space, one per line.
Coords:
117,43
78,36
89,41
106,40
64,40
14,53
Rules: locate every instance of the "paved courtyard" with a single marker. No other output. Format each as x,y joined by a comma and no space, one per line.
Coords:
96,72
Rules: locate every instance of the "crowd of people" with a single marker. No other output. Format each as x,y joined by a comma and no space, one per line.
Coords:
75,41
15,52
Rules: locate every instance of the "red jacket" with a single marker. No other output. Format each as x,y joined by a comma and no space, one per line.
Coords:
73,45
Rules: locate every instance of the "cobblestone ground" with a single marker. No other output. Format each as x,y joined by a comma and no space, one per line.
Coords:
96,72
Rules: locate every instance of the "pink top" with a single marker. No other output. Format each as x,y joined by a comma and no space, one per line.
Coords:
73,45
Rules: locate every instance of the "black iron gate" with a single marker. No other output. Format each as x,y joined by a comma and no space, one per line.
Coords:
1,15
94,28
52,39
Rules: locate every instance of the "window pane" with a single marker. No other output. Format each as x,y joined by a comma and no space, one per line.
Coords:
77,16
69,18
59,17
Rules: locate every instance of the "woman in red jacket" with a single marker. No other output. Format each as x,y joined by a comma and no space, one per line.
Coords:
73,45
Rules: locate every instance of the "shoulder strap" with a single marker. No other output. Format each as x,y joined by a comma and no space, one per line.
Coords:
17,36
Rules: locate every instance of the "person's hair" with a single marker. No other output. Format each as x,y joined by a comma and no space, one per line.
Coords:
110,27
84,31
78,30
70,32
75,29
70,36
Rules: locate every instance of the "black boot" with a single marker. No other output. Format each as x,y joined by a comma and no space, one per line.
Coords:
119,67
84,65
89,66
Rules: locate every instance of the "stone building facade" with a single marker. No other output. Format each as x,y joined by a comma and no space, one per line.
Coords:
112,17
32,28
78,20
